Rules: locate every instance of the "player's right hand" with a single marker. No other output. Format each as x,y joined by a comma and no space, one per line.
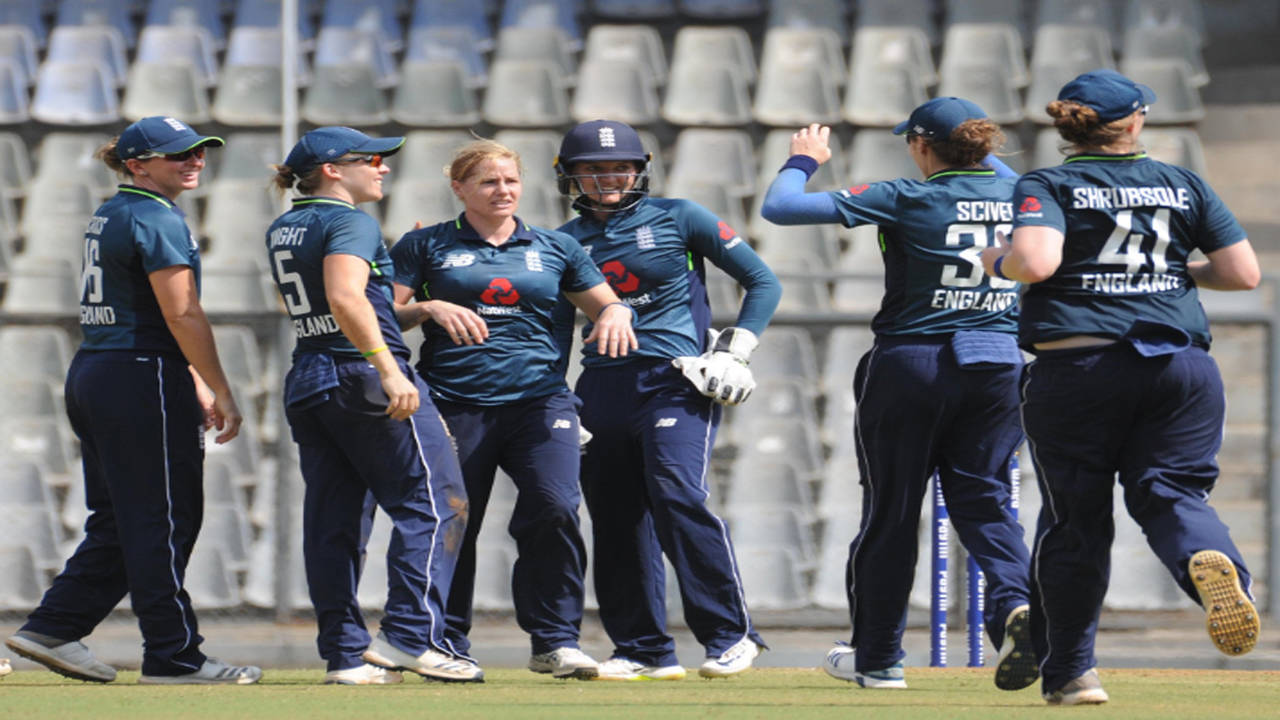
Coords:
402,394
813,141
226,417
464,326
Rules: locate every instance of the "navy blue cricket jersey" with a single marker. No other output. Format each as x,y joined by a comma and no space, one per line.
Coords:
297,243
1129,224
514,286
132,235
932,233
652,256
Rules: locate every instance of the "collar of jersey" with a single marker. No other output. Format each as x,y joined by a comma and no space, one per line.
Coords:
316,200
466,232
146,193
948,173
1105,156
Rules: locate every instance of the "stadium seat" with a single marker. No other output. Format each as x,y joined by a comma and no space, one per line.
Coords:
194,45
818,244
426,154
1176,146
54,217
776,148
34,525
338,48
258,47
242,359
1050,149
781,397
640,45
14,107
1172,80
802,293
785,438
23,484
994,45
722,156
765,525
202,14
22,584
829,581
824,14
711,94
538,44
987,85
237,215
209,579
60,153
413,201
379,16
34,352
618,90
794,96
987,11
454,13
248,95
537,150
710,47
786,352
1139,581
711,195
632,10
236,285
858,293
1061,53
371,593
42,286
248,155
165,88
18,46
722,292
1160,14
100,45
1094,13
434,94
909,46
433,43
897,14
1166,42
555,14
838,414
39,439
879,155
772,578
265,14
542,206
494,559
345,95
722,9
74,94
115,13
526,93
882,95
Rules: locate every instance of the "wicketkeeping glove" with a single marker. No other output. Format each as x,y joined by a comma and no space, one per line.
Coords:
721,373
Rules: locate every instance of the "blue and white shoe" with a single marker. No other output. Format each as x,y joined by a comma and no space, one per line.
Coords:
839,664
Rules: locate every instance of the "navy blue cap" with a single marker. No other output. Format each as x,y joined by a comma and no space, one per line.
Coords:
601,140
939,116
327,144
1109,93
158,134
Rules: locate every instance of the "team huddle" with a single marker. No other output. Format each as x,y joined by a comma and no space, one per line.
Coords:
1087,266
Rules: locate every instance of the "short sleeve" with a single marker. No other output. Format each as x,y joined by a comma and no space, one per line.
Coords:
354,233
407,257
162,241
1034,203
867,204
1218,227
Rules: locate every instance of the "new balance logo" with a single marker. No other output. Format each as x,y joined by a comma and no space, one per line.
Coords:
561,425
665,422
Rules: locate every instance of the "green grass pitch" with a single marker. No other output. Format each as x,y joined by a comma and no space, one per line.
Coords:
772,693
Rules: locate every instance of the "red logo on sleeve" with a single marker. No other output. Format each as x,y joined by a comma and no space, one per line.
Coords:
619,277
500,292
1029,204
858,189
726,232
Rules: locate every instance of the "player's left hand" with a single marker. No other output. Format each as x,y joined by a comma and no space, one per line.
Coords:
613,332
813,141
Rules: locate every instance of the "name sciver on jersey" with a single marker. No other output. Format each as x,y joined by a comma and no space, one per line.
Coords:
92,314
984,211
1114,198
306,326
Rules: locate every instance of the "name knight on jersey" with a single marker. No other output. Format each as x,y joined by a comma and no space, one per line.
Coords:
973,300
288,236
305,327
1119,283
1113,198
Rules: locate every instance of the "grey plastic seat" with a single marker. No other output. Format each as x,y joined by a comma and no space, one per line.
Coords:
526,93
467,14
772,578
1167,42
829,582
18,46
242,358
182,43
1178,98
375,15
537,43
845,346
413,201
722,156
640,45
209,579
22,584
34,352
780,397
426,154
714,46
170,89
204,14
36,527
994,45
236,285
1049,149
266,14
1061,53
765,526
818,244
829,14
1095,13
14,107
248,155
776,148
987,11
43,286
786,352
816,48
632,10
882,95
62,154
98,44
722,9
537,150
916,14
1046,82
617,90
114,13
237,214
258,47
54,217
877,46
858,293
711,94
74,94
434,94
345,95
879,155
558,14
802,292
249,95
371,593
15,165
450,42
1176,146
711,195
543,206
23,484
344,47
796,96
987,85
722,293
1158,14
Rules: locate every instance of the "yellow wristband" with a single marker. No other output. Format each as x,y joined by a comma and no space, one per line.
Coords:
374,351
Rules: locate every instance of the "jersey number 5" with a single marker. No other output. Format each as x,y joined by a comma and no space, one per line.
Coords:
91,273
296,299
1124,247
972,237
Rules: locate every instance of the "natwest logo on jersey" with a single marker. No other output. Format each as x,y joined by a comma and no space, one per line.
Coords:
620,278
500,292
1029,204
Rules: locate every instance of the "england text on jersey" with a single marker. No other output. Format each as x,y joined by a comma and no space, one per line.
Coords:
97,315
974,300
1113,198
1119,283
313,326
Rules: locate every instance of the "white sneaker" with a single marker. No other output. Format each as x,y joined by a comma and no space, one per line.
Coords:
565,662
430,664
629,670
1230,617
213,672
5,667
839,664
365,674
1016,667
71,659
1084,690
735,660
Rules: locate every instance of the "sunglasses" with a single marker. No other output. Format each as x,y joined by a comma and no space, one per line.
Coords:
373,160
185,155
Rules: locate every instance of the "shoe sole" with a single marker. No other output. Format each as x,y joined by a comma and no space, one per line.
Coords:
640,678
39,653
1017,667
374,658
182,680
876,684
1231,619
582,673
711,674
1094,696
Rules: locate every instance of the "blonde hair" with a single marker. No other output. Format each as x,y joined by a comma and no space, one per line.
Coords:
107,153
284,179
469,156
970,142
1079,125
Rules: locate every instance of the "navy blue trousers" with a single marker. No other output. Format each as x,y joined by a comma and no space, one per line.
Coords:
349,447
644,477
919,412
536,443
1090,415
142,442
